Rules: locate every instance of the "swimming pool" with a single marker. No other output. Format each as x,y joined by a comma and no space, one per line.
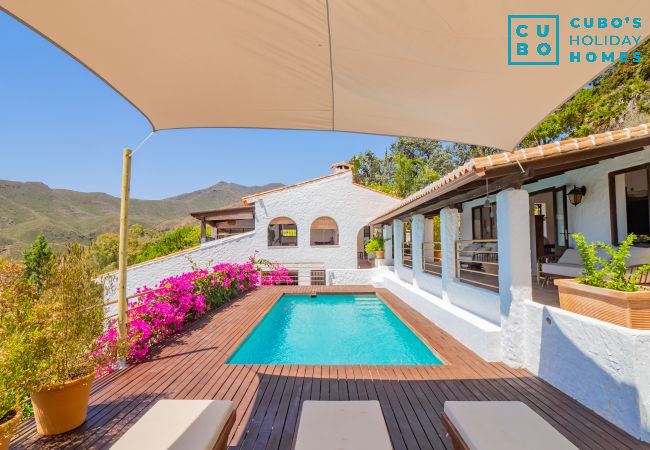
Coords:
332,330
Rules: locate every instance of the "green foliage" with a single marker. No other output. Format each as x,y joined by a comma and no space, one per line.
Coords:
58,326
612,272
104,252
37,258
139,238
619,97
375,244
178,239
411,164
16,294
144,244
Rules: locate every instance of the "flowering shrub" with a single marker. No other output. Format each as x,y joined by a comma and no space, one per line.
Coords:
177,301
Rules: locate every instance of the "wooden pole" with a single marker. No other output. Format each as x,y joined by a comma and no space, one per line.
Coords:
124,221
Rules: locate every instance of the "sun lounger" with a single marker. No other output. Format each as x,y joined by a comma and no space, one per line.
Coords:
342,425
500,426
181,424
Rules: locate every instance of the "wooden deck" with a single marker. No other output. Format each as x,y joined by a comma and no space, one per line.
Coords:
268,398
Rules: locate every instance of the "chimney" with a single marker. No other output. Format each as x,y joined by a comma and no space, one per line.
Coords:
341,167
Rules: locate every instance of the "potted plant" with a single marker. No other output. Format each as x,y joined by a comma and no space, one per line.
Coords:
10,412
608,289
59,336
375,245
13,288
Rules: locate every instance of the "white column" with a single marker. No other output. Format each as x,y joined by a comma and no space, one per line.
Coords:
513,224
387,231
417,237
398,234
448,235
428,230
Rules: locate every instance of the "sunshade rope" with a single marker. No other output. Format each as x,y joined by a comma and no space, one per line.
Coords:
137,147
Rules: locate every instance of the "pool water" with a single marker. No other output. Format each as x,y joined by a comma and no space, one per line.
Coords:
332,330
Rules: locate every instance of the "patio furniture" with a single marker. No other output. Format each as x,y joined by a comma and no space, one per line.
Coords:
181,424
500,426
472,256
569,265
343,425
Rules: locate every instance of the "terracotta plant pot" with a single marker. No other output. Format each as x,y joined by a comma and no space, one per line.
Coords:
62,408
437,254
379,254
8,428
628,309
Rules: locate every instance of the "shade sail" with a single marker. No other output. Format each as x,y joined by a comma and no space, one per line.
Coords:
435,68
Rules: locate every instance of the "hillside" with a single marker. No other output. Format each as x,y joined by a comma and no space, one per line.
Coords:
27,209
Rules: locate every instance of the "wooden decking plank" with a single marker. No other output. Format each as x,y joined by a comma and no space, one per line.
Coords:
403,425
269,399
260,410
264,432
294,407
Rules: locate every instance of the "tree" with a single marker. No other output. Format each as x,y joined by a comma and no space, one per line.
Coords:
173,241
618,98
104,252
37,260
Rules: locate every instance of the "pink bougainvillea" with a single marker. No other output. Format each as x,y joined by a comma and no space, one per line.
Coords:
176,301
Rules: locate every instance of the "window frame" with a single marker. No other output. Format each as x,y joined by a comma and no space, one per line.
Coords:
268,228
611,177
493,222
311,230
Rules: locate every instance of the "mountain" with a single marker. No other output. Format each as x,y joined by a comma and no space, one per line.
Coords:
27,209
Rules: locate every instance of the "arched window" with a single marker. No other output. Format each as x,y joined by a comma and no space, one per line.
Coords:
282,232
324,231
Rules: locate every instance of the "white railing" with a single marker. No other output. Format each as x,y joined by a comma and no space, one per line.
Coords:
407,255
432,258
306,273
477,263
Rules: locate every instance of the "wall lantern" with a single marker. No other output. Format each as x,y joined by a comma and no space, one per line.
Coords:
576,194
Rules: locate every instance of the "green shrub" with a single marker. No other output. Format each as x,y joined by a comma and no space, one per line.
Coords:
609,273
59,330
173,241
375,244
16,297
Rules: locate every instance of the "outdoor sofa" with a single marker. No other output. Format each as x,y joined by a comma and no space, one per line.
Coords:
569,264
480,256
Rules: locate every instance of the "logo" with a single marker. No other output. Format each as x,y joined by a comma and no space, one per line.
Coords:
533,40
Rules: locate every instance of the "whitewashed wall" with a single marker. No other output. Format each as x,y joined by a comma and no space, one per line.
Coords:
604,366
591,217
350,205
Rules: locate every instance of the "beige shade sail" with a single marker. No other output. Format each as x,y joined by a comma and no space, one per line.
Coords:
435,68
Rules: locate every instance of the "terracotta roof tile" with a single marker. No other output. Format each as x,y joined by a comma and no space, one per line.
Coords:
478,165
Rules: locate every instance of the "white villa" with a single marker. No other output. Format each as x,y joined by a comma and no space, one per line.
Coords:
311,227
482,274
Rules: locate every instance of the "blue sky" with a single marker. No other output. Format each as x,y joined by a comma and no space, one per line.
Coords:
61,125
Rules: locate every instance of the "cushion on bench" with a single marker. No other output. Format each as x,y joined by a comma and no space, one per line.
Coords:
503,426
562,269
342,425
179,424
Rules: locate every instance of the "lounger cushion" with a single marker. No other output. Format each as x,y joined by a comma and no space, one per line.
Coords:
342,425
562,269
178,424
503,426
639,255
570,256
